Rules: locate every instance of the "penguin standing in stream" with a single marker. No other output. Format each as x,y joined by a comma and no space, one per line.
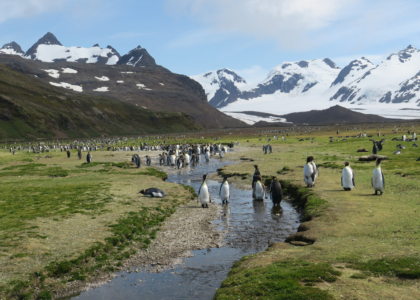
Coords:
255,178
378,181
310,172
259,189
347,179
276,192
148,160
204,194
89,158
224,191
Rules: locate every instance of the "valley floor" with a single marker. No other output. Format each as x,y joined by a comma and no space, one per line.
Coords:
351,245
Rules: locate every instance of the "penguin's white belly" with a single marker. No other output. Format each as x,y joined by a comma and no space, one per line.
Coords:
172,158
377,181
204,195
224,193
187,159
347,179
259,191
157,195
307,174
207,156
225,149
220,153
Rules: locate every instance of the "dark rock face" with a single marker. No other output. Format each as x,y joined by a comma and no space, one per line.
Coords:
405,54
138,57
14,46
309,86
48,39
228,91
303,64
386,98
330,63
408,89
345,93
355,64
276,83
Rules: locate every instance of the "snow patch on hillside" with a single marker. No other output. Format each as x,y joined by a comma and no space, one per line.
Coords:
53,73
66,85
102,89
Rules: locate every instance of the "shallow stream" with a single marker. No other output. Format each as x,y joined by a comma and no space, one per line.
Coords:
250,226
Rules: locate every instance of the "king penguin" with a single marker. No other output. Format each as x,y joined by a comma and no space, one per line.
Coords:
276,192
154,193
258,189
224,191
309,172
89,158
378,182
204,194
347,179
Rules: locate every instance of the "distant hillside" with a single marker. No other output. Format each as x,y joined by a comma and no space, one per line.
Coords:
30,109
333,115
134,78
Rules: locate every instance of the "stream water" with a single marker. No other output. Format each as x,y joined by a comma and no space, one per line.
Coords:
250,226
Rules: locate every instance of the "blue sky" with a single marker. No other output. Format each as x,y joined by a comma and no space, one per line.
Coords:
195,36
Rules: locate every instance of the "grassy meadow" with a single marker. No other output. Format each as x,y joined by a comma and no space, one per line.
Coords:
352,245
62,220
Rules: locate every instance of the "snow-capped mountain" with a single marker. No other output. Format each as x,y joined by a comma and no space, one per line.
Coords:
222,86
138,57
392,81
12,48
49,49
390,89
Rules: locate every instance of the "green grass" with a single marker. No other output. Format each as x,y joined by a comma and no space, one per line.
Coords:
280,280
402,267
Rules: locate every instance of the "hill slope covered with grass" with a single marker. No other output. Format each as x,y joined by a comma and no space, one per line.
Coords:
30,109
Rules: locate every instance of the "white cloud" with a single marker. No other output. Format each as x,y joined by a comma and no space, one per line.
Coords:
306,24
26,8
288,21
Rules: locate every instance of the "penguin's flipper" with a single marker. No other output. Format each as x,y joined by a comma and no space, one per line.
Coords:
372,181
341,180
383,179
352,179
220,191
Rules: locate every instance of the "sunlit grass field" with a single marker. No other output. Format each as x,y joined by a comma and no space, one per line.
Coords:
366,246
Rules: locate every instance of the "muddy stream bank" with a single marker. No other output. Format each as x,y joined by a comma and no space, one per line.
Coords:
241,228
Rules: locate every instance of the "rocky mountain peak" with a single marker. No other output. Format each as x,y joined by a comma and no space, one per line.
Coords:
330,63
12,48
47,39
138,57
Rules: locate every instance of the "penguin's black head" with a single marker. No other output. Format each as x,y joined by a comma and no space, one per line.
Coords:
347,163
256,167
274,178
378,161
142,192
204,177
309,159
225,179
